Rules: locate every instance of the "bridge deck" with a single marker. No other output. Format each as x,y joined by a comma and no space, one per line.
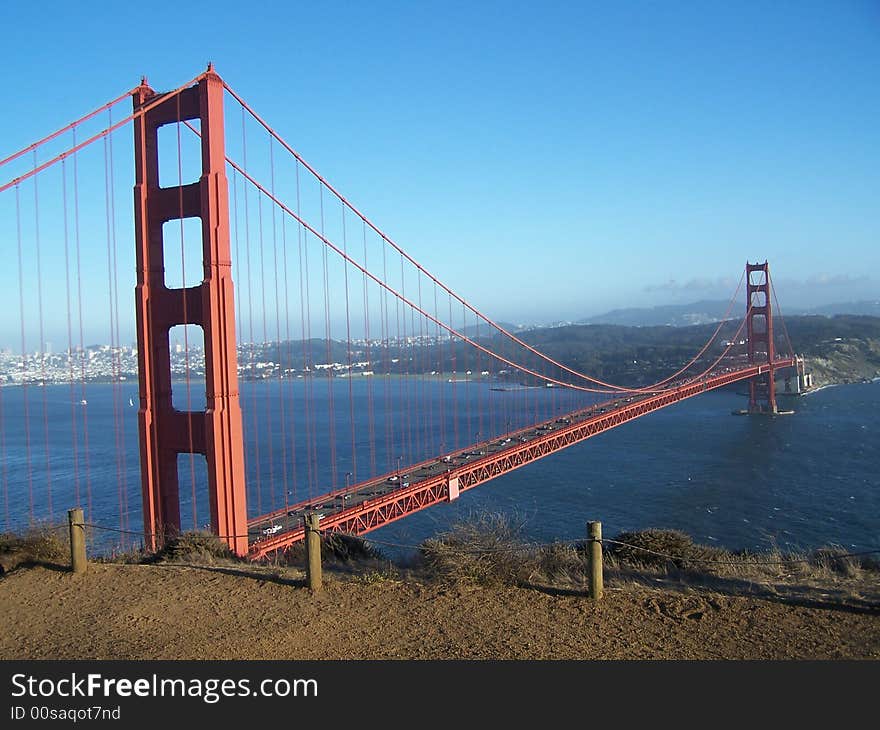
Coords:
368,505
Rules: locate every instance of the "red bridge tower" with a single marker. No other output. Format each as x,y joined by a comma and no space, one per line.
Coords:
759,322
164,431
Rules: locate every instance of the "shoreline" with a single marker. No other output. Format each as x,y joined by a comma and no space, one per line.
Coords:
441,378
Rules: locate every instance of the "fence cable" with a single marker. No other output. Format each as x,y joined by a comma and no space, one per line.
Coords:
526,547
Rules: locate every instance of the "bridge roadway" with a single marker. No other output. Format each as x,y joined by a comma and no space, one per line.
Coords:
366,506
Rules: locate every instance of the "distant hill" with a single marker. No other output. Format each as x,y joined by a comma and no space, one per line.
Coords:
686,315
839,349
670,315
870,309
485,330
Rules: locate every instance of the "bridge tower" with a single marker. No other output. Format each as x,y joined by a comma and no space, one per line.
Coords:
164,431
759,328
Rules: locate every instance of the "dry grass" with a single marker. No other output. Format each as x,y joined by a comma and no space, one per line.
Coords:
38,546
342,555
349,548
485,549
202,548
489,550
650,548
336,548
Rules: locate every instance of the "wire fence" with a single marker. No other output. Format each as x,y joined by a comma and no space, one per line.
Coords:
534,547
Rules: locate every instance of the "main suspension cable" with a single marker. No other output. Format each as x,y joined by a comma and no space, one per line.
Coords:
420,268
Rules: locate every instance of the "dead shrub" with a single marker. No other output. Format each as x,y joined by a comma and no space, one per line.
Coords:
37,546
836,560
349,548
195,547
336,547
559,564
662,549
486,549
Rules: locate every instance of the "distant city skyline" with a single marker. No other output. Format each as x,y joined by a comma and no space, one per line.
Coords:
548,162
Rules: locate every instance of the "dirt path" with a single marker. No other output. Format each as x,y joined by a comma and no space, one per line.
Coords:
184,612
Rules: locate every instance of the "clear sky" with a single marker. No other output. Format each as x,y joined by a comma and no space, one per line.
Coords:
546,160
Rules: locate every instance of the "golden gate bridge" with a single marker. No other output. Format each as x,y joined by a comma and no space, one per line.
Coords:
352,337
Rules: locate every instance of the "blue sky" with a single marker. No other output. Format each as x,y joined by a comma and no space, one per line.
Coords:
546,160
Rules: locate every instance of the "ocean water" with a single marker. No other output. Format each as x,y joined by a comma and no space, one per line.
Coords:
796,482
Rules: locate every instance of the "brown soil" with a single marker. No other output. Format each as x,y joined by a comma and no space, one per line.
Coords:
168,611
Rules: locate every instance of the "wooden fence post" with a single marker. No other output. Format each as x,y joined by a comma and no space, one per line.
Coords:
594,530
76,522
313,550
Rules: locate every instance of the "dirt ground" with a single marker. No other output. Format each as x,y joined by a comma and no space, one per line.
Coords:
169,611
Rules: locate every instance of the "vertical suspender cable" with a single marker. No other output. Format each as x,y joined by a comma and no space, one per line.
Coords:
452,365
478,371
4,470
287,486
291,384
306,333
266,351
73,400
114,372
467,383
118,351
403,380
239,326
82,349
425,406
24,362
439,389
406,350
43,377
370,364
404,402
251,345
331,424
348,352
386,336
412,384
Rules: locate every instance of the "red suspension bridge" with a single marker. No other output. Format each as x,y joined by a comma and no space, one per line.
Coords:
338,375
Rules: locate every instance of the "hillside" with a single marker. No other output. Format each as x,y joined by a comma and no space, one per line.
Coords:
683,315
844,348
211,612
840,349
463,601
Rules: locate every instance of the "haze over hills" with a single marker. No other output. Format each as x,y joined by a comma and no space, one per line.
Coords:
702,312
485,330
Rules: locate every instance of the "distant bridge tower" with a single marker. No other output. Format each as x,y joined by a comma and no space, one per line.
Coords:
165,432
759,320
